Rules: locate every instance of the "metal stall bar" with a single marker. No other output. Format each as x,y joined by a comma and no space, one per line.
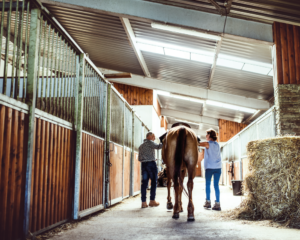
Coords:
31,100
107,150
80,62
131,192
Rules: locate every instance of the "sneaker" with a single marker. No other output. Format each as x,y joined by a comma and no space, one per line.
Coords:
144,205
153,203
217,206
207,204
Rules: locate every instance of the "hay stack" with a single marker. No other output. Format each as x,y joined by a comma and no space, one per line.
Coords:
272,185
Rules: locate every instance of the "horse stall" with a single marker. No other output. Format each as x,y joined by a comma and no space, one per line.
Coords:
54,111
234,152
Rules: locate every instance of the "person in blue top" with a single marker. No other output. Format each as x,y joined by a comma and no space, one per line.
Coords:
212,166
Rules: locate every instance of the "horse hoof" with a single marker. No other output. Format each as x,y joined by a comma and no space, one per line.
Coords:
181,210
175,215
169,205
191,218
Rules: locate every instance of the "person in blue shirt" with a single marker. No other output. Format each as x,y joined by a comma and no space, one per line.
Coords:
212,166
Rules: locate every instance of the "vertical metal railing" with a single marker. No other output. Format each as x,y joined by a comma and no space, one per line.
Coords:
56,73
14,42
94,102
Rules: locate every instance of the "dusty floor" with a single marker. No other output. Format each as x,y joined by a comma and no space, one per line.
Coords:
128,221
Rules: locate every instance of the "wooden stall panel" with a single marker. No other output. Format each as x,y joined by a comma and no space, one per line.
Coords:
245,167
91,182
228,174
198,166
126,173
137,173
116,172
13,139
236,171
52,175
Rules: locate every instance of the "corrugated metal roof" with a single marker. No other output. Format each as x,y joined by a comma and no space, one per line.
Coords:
248,50
266,11
225,113
242,83
177,70
101,36
145,31
180,105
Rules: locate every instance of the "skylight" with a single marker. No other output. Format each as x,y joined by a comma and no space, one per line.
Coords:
150,48
229,106
229,63
205,56
256,69
202,58
176,53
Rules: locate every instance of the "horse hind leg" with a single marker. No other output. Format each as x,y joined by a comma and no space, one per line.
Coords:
176,206
183,172
169,202
190,185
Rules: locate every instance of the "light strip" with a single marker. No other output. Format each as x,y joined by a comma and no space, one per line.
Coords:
184,31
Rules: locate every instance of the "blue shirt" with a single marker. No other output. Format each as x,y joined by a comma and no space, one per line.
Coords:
212,156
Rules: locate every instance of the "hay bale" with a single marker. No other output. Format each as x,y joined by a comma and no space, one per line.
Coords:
272,185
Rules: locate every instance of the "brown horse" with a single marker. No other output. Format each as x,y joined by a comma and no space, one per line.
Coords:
180,154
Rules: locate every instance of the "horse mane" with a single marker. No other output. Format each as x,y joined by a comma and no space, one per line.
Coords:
179,154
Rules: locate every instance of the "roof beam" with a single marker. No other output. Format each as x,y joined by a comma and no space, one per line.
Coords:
213,67
190,91
130,34
218,7
207,22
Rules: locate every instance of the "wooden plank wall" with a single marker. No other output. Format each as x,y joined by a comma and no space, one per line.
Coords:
228,129
126,178
13,138
135,95
287,41
52,175
91,177
116,172
137,173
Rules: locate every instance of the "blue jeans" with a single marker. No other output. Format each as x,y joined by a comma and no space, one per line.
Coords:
149,170
217,174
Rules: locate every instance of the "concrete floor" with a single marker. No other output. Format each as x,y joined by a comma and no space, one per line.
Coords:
128,221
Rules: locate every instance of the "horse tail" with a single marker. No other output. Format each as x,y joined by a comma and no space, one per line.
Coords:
179,155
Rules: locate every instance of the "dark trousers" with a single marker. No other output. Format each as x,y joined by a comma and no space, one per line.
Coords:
149,171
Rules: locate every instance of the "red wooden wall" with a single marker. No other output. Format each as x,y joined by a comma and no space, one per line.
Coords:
91,183
137,173
135,95
116,176
127,173
287,41
228,129
52,175
13,138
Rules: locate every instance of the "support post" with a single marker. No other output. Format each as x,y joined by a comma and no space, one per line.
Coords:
132,159
123,157
107,151
104,104
80,62
31,100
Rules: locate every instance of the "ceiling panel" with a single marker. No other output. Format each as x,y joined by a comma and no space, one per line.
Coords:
177,70
242,83
180,105
265,11
101,36
247,50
